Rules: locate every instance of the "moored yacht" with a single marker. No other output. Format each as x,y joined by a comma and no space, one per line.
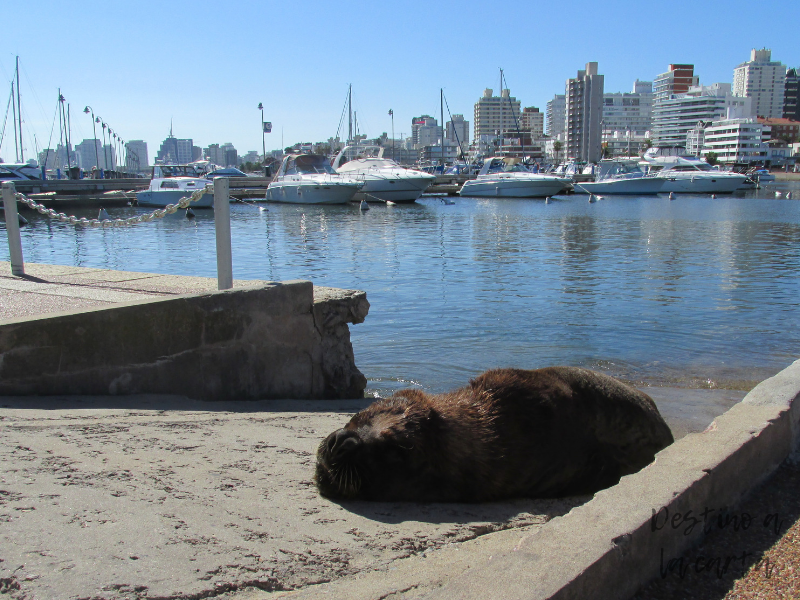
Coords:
170,183
688,174
384,179
620,177
309,179
508,178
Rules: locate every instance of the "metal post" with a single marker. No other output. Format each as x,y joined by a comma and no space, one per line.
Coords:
12,228
222,225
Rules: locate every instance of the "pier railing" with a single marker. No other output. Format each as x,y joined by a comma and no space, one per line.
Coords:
222,224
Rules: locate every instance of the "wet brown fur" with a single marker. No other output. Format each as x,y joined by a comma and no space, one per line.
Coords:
551,432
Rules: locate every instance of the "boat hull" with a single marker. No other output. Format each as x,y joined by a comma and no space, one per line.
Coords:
161,198
392,189
291,192
635,186
693,184
513,188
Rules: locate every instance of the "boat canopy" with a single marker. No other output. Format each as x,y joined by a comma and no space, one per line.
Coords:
305,164
504,165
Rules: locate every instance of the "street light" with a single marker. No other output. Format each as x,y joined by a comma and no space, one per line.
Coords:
263,142
105,150
88,110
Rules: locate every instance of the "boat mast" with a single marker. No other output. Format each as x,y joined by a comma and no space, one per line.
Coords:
19,113
500,138
14,118
350,115
441,116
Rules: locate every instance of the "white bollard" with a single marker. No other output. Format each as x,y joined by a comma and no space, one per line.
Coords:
222,225
12,227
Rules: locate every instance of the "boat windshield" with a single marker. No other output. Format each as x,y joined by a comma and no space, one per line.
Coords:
498,165
308,164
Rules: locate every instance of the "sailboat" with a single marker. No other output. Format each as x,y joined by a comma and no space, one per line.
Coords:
20,169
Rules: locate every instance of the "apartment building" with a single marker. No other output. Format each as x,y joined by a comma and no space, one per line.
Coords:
496,114
584,113
676,80
763,80
556,113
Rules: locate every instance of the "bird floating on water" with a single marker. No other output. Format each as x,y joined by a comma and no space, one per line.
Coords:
189,213
364,205
713,196
788,195
778,194
547,200
447,201
671,196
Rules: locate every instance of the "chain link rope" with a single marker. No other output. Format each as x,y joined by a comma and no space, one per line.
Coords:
160,213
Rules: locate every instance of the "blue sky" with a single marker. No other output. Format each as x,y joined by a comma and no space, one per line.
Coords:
207,65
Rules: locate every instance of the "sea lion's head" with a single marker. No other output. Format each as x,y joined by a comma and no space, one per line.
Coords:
384,452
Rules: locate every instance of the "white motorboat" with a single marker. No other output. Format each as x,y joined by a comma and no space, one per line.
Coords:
508,178
689,174
309,179
20,171
621,177
170,183
384,179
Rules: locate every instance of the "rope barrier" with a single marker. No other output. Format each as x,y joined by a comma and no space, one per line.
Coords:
108,223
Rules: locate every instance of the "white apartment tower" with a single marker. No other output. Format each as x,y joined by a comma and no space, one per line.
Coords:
629,111
556,112
677,116
496,115
457,131
763,80
584,112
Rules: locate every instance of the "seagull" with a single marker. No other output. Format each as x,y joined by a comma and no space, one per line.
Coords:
390,203
364,205
788,195
447,201
713,196
189,213
778,194
671,196
547,200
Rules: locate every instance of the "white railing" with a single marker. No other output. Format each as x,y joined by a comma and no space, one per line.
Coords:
222,224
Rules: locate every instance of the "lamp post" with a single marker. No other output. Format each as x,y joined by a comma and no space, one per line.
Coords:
88,110
105,149
391,114
263,142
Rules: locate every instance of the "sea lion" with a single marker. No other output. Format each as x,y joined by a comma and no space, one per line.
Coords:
551,432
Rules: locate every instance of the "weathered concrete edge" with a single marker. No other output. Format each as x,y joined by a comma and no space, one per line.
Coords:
607,548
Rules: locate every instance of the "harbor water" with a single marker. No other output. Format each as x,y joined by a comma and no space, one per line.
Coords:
693,292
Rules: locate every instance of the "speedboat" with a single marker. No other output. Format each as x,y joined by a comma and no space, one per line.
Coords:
690,175
170,183
620,177
310,179
384,179
20,171
508,178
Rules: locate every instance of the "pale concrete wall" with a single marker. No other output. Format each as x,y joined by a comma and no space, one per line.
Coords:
270,341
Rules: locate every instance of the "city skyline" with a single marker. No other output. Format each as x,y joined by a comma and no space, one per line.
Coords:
300,68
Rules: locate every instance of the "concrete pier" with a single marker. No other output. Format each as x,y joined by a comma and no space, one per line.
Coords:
90,331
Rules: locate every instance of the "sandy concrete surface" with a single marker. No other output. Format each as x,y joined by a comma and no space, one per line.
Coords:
158,497
165,497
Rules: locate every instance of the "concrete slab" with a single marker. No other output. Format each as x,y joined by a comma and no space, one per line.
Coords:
167,497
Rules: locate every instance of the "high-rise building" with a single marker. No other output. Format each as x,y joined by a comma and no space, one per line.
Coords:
496,115
633,111
763,80
791,95
457,131
677,80
425,131
90,154
556,112
584,113
532,120
230,155
675,117
736,140
174,150
137,155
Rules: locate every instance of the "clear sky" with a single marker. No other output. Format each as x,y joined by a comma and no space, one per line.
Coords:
206,65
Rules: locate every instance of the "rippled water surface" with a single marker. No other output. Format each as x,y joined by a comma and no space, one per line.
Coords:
694,291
